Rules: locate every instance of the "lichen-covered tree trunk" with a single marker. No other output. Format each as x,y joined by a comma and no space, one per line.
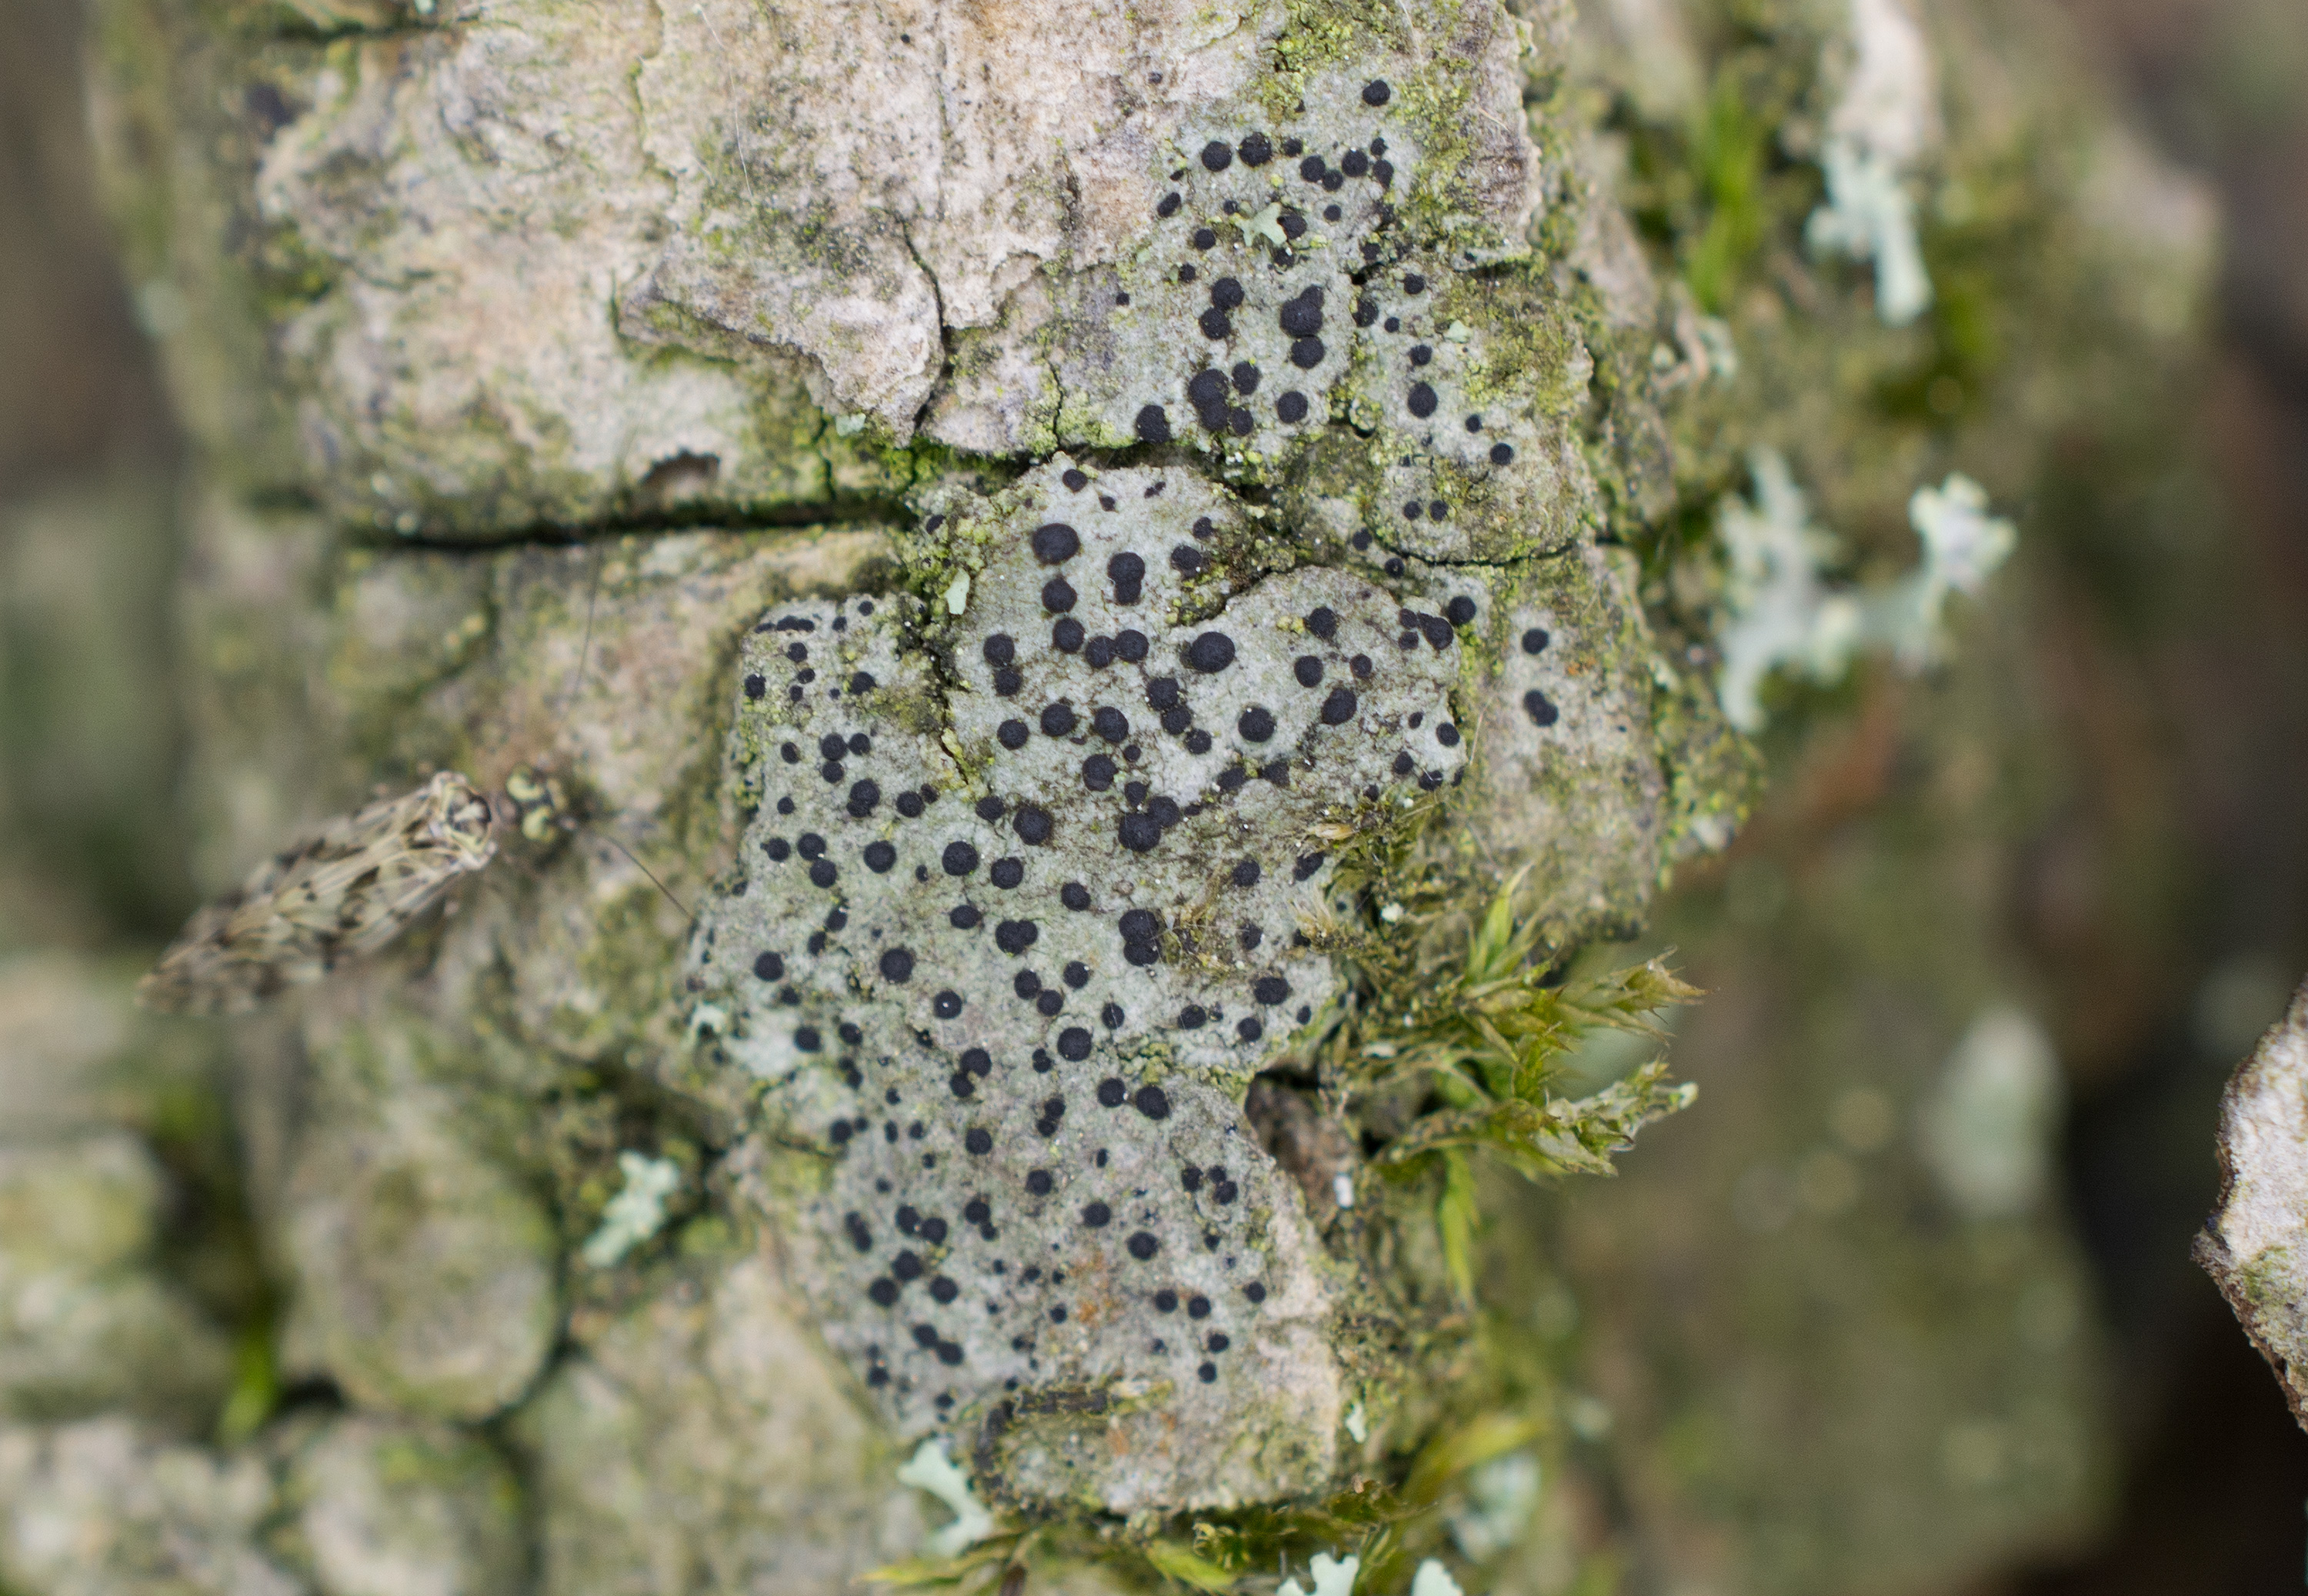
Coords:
1073,616
1053,565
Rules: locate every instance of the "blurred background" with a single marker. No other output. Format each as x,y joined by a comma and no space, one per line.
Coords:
2075,861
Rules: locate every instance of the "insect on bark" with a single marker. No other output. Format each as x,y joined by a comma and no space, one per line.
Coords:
355,884
342,893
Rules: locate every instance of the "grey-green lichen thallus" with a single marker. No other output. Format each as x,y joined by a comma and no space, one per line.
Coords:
1024,905
1039,878
343,893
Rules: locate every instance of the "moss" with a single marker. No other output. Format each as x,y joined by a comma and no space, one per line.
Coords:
1393,1519
1715,190
1728,155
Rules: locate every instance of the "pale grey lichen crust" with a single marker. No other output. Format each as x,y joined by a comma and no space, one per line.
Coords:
1018,915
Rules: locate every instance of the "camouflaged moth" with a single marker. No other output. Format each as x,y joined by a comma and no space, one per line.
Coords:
342,893
354,884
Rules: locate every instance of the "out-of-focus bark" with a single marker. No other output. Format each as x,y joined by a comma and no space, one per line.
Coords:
2252,1246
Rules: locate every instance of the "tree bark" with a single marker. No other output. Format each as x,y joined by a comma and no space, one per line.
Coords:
792,432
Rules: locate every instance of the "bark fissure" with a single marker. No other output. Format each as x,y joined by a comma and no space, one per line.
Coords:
832,516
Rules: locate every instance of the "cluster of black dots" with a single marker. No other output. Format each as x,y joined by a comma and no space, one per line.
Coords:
950,994
805,678
1028,1255
1113,696
1223,394
969,1199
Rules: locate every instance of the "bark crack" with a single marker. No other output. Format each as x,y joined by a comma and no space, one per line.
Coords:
945,347
832,512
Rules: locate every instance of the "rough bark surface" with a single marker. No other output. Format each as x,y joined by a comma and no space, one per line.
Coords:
992,509
1063,564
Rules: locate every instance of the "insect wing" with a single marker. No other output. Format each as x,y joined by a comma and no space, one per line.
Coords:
346,891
